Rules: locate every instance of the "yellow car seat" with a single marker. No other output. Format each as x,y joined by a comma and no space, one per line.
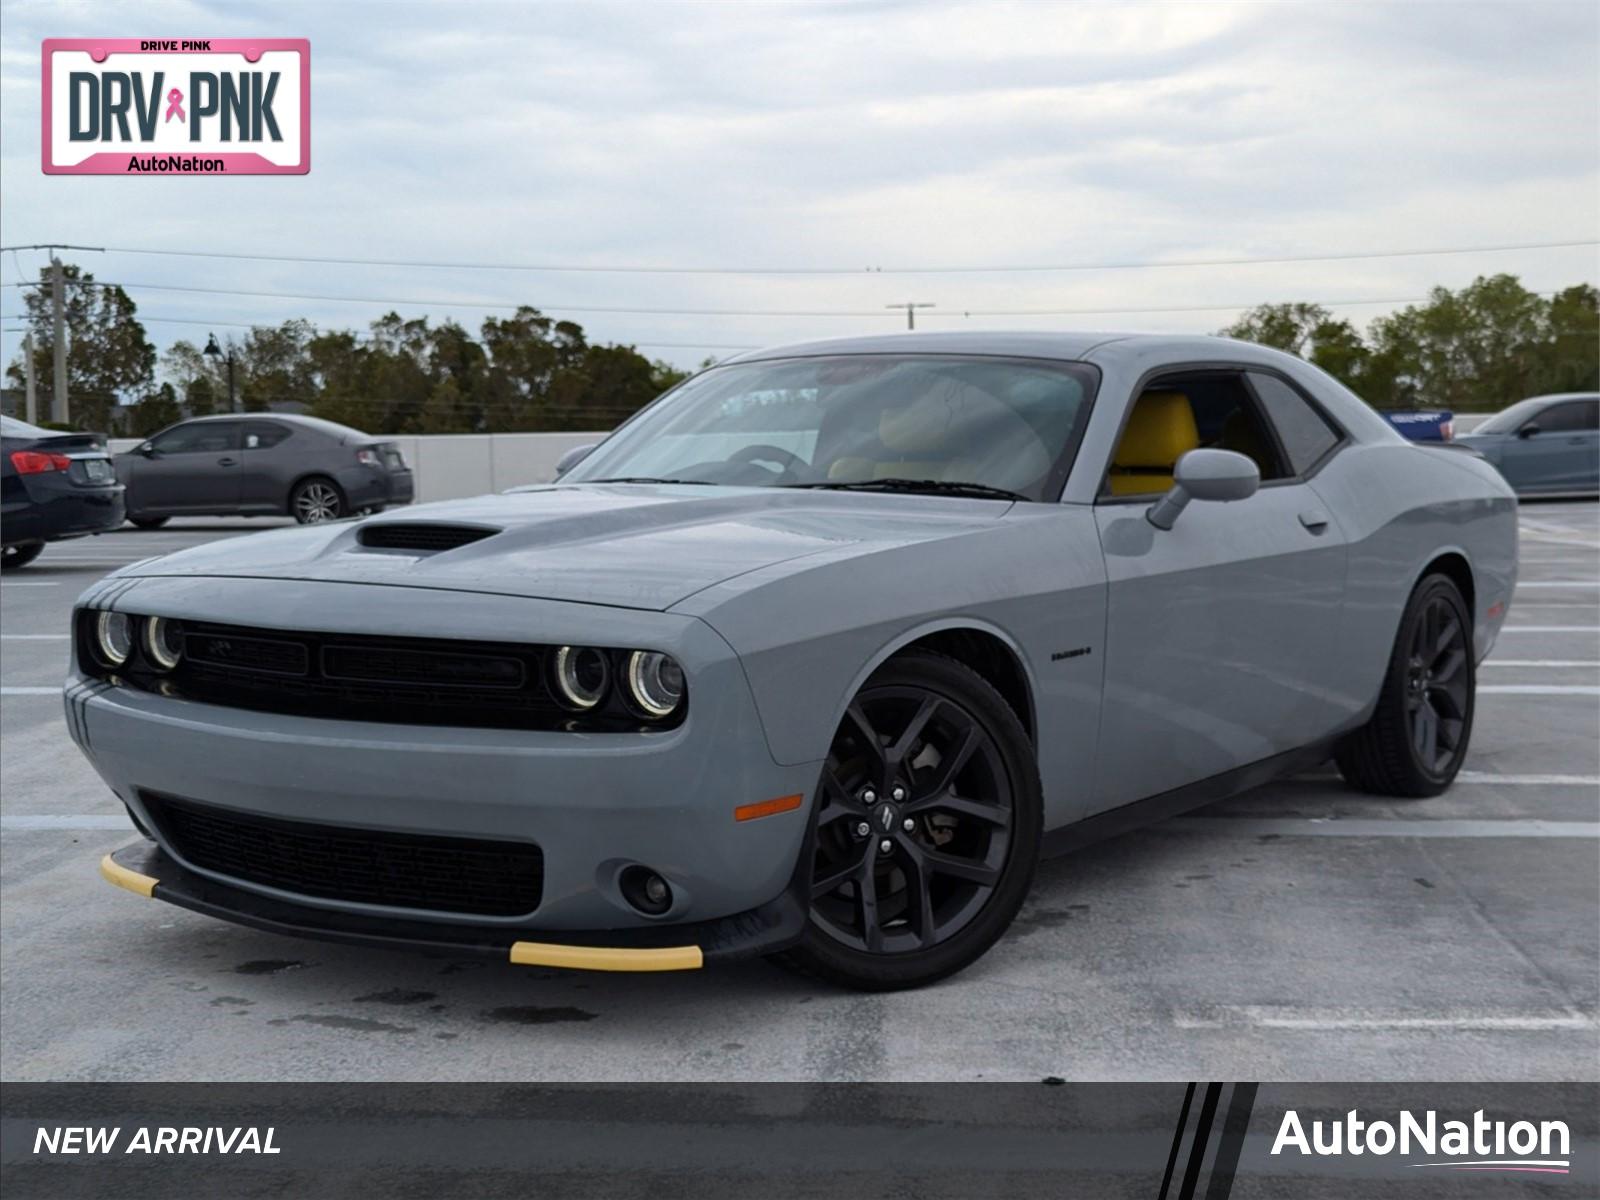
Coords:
1160,431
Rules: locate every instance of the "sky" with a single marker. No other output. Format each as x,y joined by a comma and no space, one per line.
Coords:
847,136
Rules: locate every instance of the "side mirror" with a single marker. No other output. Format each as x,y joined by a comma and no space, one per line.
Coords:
148,449
573,457
1528,430
1205,475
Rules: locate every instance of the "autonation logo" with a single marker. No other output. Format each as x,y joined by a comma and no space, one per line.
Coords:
1476,1145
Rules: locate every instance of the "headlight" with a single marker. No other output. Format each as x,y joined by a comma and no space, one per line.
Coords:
655,682
163,642
113,638
582,675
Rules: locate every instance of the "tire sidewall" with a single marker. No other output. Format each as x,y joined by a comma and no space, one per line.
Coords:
1431,588
962,686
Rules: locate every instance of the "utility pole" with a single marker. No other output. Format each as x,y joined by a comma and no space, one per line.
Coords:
27,374
61,410
911,307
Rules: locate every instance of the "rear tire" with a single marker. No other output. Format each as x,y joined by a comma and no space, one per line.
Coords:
316,500
20,555
1418,735
148,522
929,742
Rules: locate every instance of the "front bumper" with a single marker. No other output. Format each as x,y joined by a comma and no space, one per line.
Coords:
146,870
594,803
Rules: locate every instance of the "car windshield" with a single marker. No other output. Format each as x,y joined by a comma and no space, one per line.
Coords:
962,425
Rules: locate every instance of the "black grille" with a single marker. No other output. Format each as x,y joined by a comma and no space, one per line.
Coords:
361,866
397,535
246,652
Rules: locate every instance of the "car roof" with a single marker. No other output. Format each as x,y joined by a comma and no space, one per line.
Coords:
331,428
1071,346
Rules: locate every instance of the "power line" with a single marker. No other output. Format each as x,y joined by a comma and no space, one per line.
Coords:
986,269
732,312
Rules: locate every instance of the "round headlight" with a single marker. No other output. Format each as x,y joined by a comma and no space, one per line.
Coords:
113,638
582,675
163,642
655,682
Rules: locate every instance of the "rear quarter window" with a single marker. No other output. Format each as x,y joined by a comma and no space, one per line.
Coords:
1306,435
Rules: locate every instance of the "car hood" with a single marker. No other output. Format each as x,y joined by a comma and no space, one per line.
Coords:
631,546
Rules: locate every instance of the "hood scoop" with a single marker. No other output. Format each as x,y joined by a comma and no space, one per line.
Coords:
428,537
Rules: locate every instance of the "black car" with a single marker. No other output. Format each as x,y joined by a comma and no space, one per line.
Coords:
269,465
53,486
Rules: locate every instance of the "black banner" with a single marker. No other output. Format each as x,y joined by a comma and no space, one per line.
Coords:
1151,1141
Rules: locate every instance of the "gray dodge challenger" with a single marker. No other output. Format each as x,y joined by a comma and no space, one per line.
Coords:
814,657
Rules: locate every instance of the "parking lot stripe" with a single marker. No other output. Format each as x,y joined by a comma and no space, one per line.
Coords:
1550,629
20,824
1363,827
1537,662
1268,1018
31,583
1539,689
30,691
1557,583
1528,780
34,637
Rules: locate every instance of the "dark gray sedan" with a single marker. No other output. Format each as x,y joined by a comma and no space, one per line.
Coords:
270,465
1546,445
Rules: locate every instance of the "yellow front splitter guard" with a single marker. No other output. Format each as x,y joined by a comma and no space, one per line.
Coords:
139,885
606,958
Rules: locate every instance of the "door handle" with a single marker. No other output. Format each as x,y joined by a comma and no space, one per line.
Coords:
1314,519
227,462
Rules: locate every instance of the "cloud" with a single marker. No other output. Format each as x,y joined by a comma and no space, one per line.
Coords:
857,134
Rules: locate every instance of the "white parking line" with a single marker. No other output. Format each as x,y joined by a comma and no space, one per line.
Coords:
1362,827
1528,662
1261,1017
31,583
1557,583
1539,689
23,824
1550,629
30,691
1528,780
35,637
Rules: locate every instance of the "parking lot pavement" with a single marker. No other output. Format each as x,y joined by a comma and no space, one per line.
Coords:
1302,931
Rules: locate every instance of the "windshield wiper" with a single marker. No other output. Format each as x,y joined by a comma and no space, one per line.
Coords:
648,479
932,487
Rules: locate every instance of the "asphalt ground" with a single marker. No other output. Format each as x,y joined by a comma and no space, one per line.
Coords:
1299,932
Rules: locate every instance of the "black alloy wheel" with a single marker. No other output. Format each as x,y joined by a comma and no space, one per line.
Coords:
926,828
1418,735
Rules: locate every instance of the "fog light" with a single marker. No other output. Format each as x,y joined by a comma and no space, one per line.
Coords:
646,891
113,637
655,683
582,675
163,642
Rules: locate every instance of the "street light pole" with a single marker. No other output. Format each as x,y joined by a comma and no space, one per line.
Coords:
61,410
213,350
911,307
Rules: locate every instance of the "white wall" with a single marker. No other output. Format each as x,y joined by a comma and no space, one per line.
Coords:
450,466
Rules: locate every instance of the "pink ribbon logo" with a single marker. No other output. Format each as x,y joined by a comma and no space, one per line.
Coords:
175,106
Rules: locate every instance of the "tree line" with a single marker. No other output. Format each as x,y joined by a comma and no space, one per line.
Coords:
1479,348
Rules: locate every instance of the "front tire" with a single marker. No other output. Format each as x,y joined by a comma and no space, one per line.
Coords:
936,767
20,554
148,522
1418,735
314,501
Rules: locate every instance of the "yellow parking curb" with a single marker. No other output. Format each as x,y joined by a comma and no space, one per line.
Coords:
604,958
140,885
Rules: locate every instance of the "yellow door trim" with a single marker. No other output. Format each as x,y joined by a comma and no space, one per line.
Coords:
606,958
140,885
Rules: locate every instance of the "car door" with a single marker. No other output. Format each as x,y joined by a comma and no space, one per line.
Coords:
1556,449
263,482
192,467
1219,629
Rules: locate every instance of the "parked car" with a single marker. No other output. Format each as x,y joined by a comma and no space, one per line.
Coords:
1422,426
53,486
1546,445
814,656
269,465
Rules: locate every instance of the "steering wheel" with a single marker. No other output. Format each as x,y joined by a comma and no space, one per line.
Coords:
762,452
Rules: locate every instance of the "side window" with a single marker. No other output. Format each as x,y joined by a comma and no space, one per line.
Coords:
263,435
1178,413
199,437
1571,417
1305,435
